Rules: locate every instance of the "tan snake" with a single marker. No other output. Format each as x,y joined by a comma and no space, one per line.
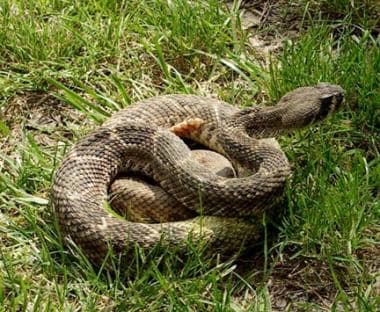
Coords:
147,135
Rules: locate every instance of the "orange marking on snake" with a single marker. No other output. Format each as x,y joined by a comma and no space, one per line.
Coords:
187,126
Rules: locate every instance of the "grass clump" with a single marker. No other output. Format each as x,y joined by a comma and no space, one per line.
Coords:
350,13
95,39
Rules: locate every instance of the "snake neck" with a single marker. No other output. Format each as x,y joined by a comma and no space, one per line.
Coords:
261,122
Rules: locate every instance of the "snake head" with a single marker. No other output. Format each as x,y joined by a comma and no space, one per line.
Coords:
306,105
296,109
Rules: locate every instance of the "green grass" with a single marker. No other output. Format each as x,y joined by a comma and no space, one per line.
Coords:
100,56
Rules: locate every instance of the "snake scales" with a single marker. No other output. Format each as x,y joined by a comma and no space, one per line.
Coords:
146,136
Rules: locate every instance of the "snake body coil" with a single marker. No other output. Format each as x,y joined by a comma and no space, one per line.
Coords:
148,135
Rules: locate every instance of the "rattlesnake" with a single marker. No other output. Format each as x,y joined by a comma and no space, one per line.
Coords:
147,135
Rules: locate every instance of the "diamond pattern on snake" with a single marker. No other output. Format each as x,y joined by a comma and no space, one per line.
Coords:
138,162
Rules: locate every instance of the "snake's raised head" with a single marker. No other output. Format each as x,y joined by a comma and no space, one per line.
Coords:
296,109
306,105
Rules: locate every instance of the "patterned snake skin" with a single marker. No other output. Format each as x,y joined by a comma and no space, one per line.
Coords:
139,199
146,136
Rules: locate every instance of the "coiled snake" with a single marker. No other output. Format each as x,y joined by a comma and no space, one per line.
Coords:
146,137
